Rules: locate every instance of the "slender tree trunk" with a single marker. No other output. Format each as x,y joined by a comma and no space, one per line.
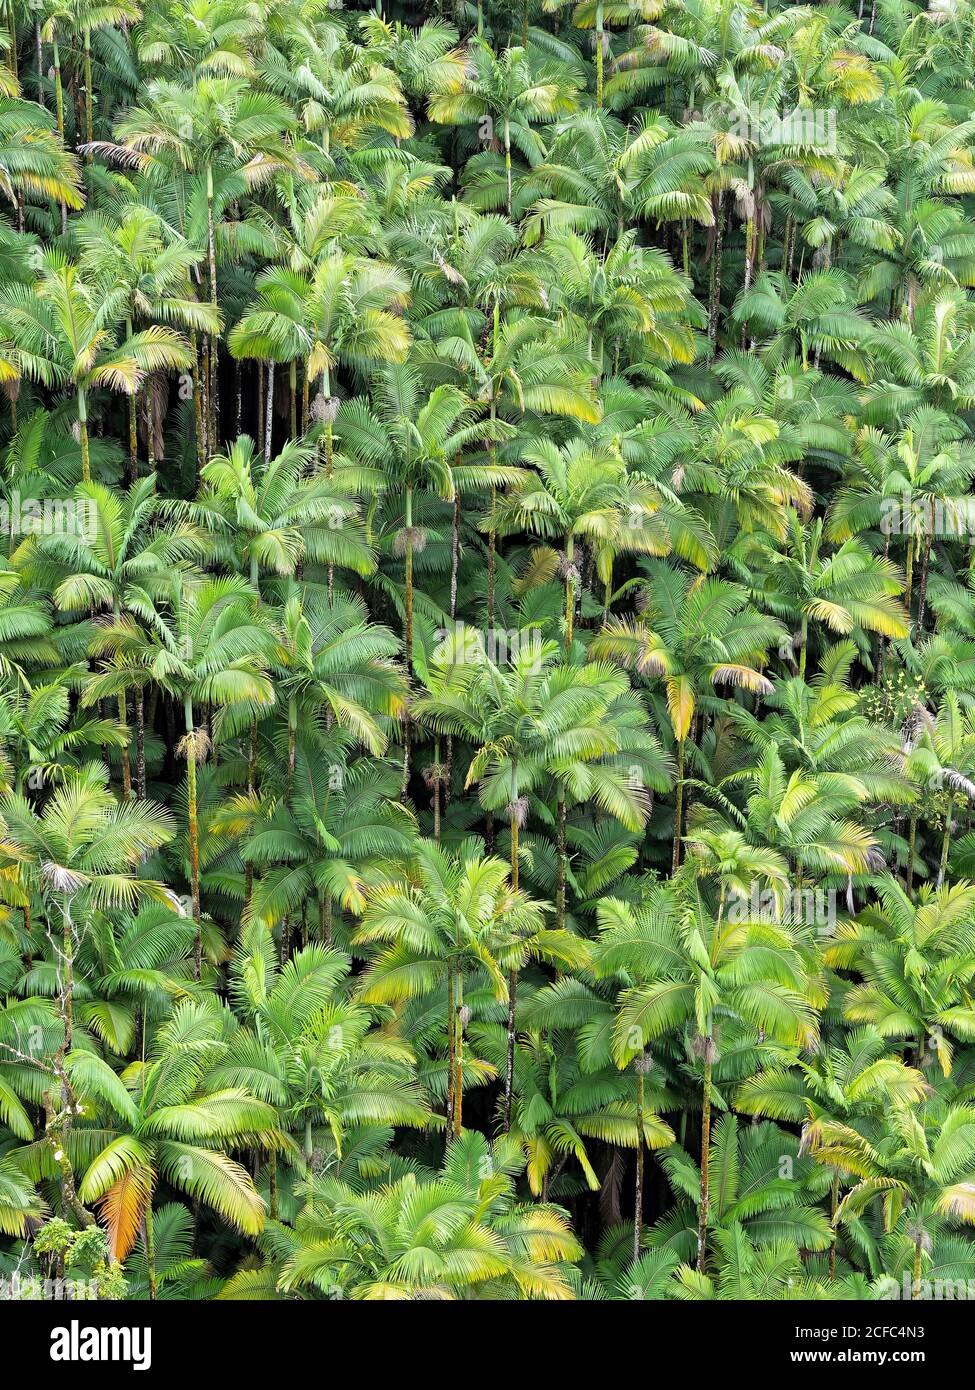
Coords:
451,1078
214,350
714,307
945,846
507,162
140,742
83,433
918,1252
922,588
194,834
562,855
509,1070
678,805
599,54
89,94
458,1022
408,587
570,592
123,719
150,1249
251,789
640,1151
269,407
704,1211
58,88
201,441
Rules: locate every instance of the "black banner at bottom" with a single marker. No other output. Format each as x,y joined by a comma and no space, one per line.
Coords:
157,1339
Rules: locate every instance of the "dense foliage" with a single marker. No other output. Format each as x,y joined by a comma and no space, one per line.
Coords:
487,649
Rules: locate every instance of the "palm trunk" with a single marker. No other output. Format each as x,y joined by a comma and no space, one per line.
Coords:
703,1212
640,1147
140,743
150,1249
507,162
67,977
201,440
89,92
922,588
509,1070
292,746
83,435
450,1047
133,423
563,865
714,307
599,54
268,407
123,719
570,592
459,1055
58,88
194,833
408,589
678,805
918,1251
945,846
212,257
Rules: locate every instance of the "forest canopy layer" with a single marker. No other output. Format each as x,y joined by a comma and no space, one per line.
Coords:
487,649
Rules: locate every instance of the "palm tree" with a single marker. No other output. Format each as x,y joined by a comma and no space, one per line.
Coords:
596,15
166,1119
443,1236
691,634
600,173
204,644
912,487
118,557
448,915
913,959
131,248
334,664
922,1161
272,513
532,721
312,1052
216,129
837,1084
629,293
33,160
504,90
80,853
81,18
64,331
850,590
411,438
683,973
334,308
